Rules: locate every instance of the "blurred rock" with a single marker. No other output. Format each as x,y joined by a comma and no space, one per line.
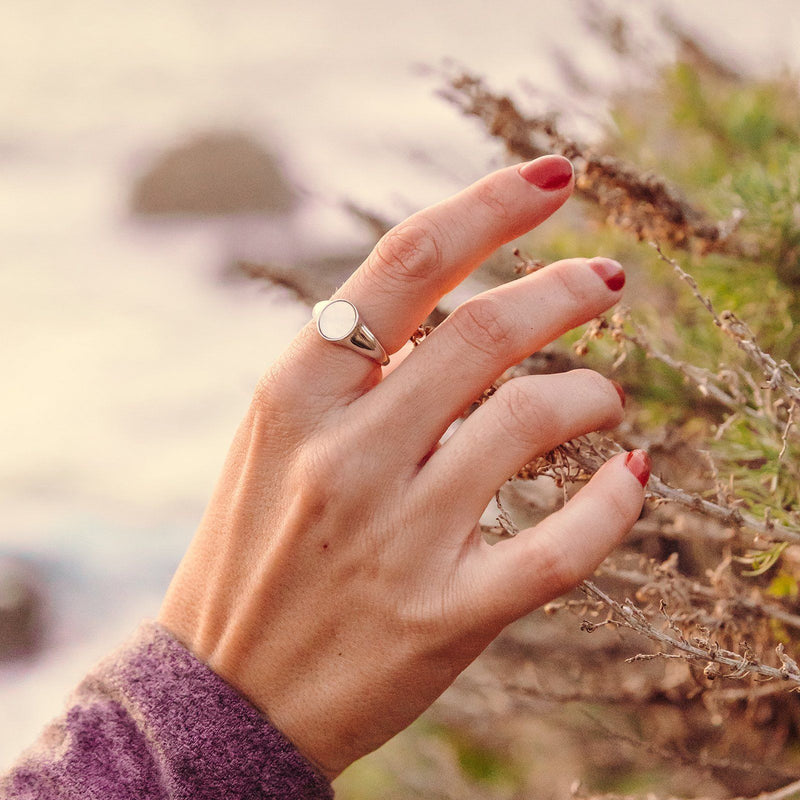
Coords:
21,609
214,173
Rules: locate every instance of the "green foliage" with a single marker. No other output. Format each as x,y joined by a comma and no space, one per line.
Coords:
481,764
731,145
761,561
618,782
783,585
767,482
769,191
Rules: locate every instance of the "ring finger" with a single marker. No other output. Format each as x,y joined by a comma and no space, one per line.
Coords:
480,339
526,417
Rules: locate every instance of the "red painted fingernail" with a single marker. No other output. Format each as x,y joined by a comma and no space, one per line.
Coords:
620,392
638,462
548,172
610,271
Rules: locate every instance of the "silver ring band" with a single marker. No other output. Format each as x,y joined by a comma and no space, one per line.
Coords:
338,321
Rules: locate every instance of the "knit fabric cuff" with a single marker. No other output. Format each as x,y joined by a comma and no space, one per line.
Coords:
210,741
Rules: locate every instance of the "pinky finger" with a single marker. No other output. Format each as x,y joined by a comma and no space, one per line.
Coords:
543,562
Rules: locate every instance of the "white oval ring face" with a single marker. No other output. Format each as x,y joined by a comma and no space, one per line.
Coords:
337,320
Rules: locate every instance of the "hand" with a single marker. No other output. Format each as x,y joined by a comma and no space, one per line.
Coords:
339,579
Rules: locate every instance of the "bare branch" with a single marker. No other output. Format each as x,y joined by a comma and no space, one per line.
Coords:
580,458
630,616
693,588
737,519
589,456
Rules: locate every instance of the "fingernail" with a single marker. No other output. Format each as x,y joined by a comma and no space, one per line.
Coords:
548,172
620,392
610,271
638,462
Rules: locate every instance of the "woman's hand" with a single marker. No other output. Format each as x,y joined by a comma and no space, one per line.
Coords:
339,579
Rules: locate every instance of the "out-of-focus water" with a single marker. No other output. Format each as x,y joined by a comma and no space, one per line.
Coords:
125,362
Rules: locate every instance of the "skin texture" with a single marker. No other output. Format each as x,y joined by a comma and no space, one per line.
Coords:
338,578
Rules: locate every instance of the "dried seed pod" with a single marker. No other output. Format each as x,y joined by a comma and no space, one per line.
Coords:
711,670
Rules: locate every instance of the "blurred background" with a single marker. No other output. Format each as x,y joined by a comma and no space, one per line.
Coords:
147,151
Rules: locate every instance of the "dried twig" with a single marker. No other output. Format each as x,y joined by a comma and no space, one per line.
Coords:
733,602
788,792
636,201
779,376
706,381
699,759
678,646
587,456
765,530
306,285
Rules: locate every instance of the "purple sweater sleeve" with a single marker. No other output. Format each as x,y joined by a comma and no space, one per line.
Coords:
152,722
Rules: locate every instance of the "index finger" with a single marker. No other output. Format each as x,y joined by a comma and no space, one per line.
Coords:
423,258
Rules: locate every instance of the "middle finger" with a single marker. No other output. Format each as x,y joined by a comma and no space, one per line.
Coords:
482,338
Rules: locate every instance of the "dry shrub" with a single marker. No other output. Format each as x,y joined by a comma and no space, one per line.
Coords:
684,646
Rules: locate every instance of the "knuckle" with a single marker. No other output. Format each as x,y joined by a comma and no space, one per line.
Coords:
556,569
602,394
573,289
310,493
317,460
597,384
329,473
418,621
488,195
409,251
482,324
619,512
523,410
346,452
311,497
